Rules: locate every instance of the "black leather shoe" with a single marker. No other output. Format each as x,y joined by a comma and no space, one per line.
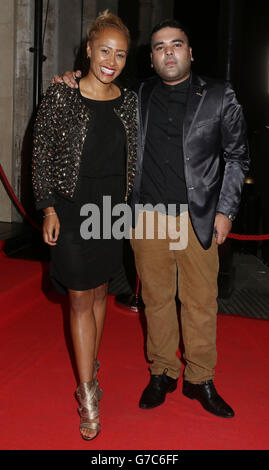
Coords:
207,395
158,387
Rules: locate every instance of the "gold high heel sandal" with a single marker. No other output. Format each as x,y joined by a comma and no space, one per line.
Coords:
88,396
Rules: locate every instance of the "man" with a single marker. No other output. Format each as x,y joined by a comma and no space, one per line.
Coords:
187,125
192,149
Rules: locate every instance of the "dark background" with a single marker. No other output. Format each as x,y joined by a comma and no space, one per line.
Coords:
230,40
208,23
212,23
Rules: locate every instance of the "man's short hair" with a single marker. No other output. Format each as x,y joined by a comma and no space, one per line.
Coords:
170,23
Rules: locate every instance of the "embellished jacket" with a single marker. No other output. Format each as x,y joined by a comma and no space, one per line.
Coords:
59,135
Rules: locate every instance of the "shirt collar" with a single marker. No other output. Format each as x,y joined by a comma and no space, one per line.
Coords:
182,86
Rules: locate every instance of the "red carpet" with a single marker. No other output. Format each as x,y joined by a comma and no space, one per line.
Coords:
38,408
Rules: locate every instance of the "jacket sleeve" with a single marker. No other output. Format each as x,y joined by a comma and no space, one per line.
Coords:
44,148
235,153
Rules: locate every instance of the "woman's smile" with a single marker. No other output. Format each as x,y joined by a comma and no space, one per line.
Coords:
107,70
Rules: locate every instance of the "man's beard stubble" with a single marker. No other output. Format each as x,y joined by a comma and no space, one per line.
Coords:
178,75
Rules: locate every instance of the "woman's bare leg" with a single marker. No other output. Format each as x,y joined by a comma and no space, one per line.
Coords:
99,311
87,316
84,333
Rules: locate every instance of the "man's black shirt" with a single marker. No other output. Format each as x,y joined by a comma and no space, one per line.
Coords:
163,178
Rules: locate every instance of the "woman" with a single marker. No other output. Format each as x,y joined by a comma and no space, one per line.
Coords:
81,140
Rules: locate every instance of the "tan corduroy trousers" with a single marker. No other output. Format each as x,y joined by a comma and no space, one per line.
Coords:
191,273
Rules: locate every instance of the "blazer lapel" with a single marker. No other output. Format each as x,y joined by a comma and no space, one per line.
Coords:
196,97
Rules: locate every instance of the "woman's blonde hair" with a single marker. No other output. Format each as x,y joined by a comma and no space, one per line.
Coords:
105,19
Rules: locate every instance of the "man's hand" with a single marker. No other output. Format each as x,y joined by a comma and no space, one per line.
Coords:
222,228
69,78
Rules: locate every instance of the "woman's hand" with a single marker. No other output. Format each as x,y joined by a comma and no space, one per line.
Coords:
51,227
69,78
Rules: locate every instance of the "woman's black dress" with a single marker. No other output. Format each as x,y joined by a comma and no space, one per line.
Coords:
78,263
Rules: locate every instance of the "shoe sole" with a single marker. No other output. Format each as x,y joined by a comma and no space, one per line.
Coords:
146,407
209,411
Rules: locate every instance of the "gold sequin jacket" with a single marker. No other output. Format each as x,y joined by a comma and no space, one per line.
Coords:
59,135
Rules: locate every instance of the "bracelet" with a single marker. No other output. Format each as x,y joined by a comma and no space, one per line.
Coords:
49,213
